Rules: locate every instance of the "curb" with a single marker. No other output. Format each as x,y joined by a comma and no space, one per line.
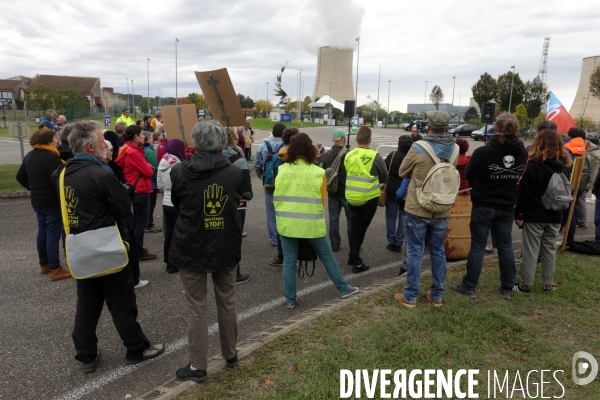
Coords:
173,387
11,195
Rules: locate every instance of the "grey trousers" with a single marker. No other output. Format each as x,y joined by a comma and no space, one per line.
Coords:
581,210
539,238
194,285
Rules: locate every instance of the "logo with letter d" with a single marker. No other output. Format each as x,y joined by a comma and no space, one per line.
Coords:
590,364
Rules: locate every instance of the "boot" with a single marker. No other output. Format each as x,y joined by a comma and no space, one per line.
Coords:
44,269
59,273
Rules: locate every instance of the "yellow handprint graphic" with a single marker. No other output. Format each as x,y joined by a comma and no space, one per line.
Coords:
214,201
72,202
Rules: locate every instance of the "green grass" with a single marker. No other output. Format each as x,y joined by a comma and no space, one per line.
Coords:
534,331
267,124
8,183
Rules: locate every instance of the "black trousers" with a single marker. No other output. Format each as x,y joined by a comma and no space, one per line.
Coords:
360,219
117,290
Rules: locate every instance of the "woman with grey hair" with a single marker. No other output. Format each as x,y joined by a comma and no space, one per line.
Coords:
206,191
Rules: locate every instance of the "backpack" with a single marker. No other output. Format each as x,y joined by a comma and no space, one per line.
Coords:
331,173
272,163
587,247
440,187
585,172
557,196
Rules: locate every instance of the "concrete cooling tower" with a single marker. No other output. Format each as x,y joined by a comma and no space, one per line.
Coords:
334,64
584,102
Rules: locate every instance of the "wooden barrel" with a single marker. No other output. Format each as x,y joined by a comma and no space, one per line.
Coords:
458,237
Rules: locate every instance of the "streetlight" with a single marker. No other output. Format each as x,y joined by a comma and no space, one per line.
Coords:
425,98
133,100
377,111
453,87
387,117
148,72
176,40
128,103
357,59
267,98
329,113
511,88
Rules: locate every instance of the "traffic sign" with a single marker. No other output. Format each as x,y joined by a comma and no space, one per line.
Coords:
5,100
14,129
106,119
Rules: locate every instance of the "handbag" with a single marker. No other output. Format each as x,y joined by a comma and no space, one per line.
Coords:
307,254
92,253
131,189
382,194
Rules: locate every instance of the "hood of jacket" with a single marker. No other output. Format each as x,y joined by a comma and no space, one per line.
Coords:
229,151
513,145
443,145
554,165
575,145
167,162
128,148
203,164
282,154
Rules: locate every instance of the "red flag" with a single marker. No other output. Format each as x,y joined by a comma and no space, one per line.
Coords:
559,115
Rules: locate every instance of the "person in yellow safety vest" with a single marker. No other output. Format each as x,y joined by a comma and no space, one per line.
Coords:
126,118
298,199
365,172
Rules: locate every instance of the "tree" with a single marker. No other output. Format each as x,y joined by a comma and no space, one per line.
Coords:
540,117
306,102
377,110
474,121
193,97
595,83
63,95
261,106
184,100
471,114
247,102
586,124
201,103
41,97
536,95
484,90
503,96
522,116
143,105
436,96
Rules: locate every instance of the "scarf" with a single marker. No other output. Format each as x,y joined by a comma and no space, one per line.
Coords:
88,157
50,148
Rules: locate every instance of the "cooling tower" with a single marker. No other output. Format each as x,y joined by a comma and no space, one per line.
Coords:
584,102
334,64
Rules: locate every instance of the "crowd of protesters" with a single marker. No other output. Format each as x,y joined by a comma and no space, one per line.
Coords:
115,177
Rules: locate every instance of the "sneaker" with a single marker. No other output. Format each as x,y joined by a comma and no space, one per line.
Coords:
141,284
44,269
335,249
398,248
275,262
489,248
59,274
550,288
171,269
188,374
391,247
518,287
460,288
435,303
506,295
351,291
290,304
155,229
233,362
581,226
274,244
154,350
402,270
147,257
357,269
91,366
400,298
242,278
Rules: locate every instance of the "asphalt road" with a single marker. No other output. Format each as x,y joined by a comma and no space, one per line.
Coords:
36,349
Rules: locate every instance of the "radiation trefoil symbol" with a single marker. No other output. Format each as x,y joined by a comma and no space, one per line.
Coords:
214,201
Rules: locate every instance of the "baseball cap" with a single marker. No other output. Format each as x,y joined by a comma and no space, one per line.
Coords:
438,119
339,134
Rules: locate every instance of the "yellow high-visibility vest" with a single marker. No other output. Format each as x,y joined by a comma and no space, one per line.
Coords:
361,186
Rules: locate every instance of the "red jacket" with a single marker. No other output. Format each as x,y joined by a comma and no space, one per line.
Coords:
131,160
463,160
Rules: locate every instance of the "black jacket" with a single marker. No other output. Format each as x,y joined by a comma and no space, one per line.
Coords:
531,189
95,198
493,173
208,234
65,151
328,159
394,180
35,175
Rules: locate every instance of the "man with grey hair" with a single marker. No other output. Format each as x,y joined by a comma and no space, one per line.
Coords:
95,199
61,121
206,191
48,120
120,128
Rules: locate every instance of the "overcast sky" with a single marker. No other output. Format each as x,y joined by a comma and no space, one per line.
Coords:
413,42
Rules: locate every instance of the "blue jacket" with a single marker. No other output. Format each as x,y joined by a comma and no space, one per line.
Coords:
49,124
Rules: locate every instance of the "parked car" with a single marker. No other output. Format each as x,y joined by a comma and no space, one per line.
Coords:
479,133
463,130
405,126
591,135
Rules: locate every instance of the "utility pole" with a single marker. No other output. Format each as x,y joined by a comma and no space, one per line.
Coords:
377,111
425,99
133,100
128,103
511,88
176,41
148,71
387,117
357,59
453,87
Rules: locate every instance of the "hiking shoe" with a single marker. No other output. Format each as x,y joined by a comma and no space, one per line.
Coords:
233,362
59,274
147,257
518,287
188,374
550,288
91,366
141,284
44,269
357,269
242,278
275,262
460,288
400,298
435,303
351,291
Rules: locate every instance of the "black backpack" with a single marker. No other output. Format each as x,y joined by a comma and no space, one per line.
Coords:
588,247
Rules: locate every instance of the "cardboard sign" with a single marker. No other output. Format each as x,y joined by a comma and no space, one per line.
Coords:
179,121
221,98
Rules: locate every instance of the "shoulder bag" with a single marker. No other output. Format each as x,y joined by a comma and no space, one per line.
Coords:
382,194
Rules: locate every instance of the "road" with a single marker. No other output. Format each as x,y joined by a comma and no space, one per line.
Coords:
36,349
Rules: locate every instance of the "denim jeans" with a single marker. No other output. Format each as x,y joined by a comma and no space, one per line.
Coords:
597,220
141,209
419,230
393,222
49,231
248,153
482,220
271,224
335,205
321,247
171,215
153,196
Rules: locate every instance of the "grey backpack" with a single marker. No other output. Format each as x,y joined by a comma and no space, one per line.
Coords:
558,194
331,173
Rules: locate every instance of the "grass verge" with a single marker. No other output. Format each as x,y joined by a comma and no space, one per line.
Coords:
8,182
532,332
